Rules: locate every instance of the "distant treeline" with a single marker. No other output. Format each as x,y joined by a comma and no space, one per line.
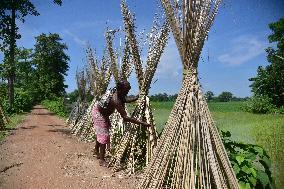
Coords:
164,97
161,97
223,97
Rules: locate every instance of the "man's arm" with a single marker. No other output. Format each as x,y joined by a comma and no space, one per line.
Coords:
130,99
120,108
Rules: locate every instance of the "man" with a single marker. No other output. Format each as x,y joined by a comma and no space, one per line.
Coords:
115,99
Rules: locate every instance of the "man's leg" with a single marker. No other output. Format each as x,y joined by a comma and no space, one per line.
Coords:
108,148
102,154
97,150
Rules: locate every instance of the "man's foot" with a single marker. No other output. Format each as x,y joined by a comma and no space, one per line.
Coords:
108,154
96,154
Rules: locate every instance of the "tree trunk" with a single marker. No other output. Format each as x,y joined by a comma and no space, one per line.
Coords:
11,76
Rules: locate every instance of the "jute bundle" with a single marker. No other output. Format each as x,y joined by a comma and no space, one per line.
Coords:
119,72
81,105
137,144
99,74
190,153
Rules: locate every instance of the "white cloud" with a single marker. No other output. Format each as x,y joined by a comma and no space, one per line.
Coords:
170,65
242,50
76,38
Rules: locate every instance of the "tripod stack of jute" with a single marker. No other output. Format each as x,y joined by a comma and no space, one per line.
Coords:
190,153
99,75
137,143
120,70
81,104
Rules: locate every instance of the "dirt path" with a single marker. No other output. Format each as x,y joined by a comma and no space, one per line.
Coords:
41,153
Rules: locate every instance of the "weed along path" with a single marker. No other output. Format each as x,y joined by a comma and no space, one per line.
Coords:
41,153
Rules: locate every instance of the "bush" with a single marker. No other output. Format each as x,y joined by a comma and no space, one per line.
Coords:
251,163
57,106
23,102
260,105
279,110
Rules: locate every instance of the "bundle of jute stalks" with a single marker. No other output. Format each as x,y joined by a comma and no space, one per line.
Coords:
190,153
138,142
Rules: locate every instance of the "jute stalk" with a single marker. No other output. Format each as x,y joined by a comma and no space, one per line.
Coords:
137,144
190,153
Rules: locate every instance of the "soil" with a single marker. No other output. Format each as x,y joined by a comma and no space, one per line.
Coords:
41,153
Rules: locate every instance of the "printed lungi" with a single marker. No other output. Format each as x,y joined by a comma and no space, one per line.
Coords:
102,126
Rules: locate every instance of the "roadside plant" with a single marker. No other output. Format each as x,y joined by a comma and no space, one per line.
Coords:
251,163
260,105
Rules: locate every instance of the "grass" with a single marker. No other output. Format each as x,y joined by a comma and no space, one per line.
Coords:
14,121
265,130
161,111
225,106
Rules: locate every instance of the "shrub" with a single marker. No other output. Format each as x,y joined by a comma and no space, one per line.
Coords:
279,110
260,105
23,102
57,106
251,163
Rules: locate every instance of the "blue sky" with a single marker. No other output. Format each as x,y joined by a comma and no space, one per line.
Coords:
231,55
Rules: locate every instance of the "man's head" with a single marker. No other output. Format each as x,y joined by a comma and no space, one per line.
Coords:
123,86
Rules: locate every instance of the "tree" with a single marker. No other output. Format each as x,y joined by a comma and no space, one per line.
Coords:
10,10
51,64
24,68
209,95
269,81
26,78
225,96
24,82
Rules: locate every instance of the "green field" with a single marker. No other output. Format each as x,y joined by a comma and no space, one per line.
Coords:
264,130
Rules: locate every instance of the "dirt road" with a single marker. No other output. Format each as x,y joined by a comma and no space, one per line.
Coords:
41,153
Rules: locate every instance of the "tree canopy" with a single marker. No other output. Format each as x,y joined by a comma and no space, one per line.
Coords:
51,64
10,11
209,95
225,97
269,81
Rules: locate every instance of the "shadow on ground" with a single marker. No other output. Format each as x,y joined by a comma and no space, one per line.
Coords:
38,108
55,125
47,113
29,127
63,131
8,129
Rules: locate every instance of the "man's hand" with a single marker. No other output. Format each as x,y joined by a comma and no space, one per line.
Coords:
147,125
130,99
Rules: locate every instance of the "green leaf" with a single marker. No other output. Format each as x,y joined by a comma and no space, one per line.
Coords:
246,169
263,178
240,159
252,181
259,150
267,161
236,169
248,186
244,185
250,156
253,171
